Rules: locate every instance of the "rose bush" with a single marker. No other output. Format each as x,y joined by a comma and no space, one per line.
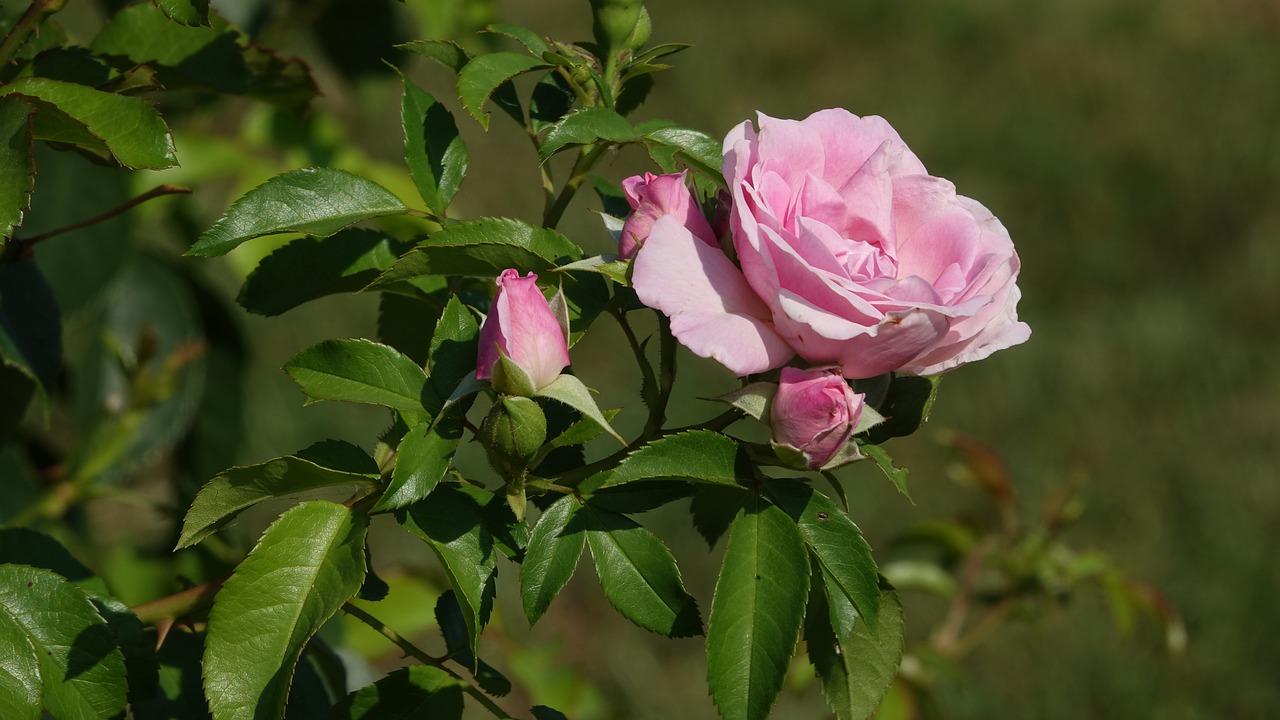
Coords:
521,326
814,412
850,254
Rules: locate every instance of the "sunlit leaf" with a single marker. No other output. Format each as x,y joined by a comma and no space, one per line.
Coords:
434,151
482,76
555,545
359,371
17,163
586,126
696,456
857,671
482,248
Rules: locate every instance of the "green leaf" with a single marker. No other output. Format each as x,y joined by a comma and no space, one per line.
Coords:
451,522
18,389
453,627
359,371
582,431
550,100
410,693
17,163
699,456
555,545
584,127
402,317
186,12
307,564
482,248
837,543
530,39
434,151
697,149
482,76
222,499
905,407
422,459
181,696
756,612
754,399
639,574
138,647
897,475
446,52
21,546
855,672
713,509
570,391
312,267
317,201
452,356
20,686
127,130
82,669
30,324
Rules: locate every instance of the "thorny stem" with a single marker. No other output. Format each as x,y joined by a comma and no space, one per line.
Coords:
421,655
947,640
37,12
179,604
19,249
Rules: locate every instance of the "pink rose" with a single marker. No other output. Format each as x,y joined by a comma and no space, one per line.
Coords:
652,197
851,255
522,326
815,412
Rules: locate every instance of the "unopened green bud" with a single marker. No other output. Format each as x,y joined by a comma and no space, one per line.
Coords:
512,433
640,34
613,22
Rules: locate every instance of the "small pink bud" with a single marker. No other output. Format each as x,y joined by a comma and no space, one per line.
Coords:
815,412
652,197
522,326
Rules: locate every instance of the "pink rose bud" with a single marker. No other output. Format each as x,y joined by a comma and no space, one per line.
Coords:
521,326
655,196
815,412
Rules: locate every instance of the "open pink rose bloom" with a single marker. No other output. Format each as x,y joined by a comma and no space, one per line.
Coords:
522,326
849,254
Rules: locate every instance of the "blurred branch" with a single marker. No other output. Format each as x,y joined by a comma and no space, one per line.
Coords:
37,12
19,249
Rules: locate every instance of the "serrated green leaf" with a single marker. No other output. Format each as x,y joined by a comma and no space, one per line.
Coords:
312,267
20,685
639,575
834,539
141,666
181,696
230,492
410,693
896,475
307,564
82,669
586,126
530,39
482,76
422,459
17,163
555,546
549,101
451,522
22,546
402,317
855,672
318,201
127,130
453,627
582,431
696,148
699,456
30,324
713,509
186,12
482,248
452,356
756,612
905,407
570,391
359,371
446,52
434,151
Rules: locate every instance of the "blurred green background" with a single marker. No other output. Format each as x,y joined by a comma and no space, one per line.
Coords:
1131,147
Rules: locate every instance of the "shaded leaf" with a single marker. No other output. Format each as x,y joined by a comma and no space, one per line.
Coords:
318,201
549,102
401,319
639,575
570,391
482,248
905,407
434,151
312,267
180,696
756,612
896,475
323,465
837,543
446,52
17,163
584,127
452,353
141,666
186,12
359,371
555,546
695,148
30,323
124,129
453,627
713,509
857,671
482,76
307,564
422,459
410,693
81,667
